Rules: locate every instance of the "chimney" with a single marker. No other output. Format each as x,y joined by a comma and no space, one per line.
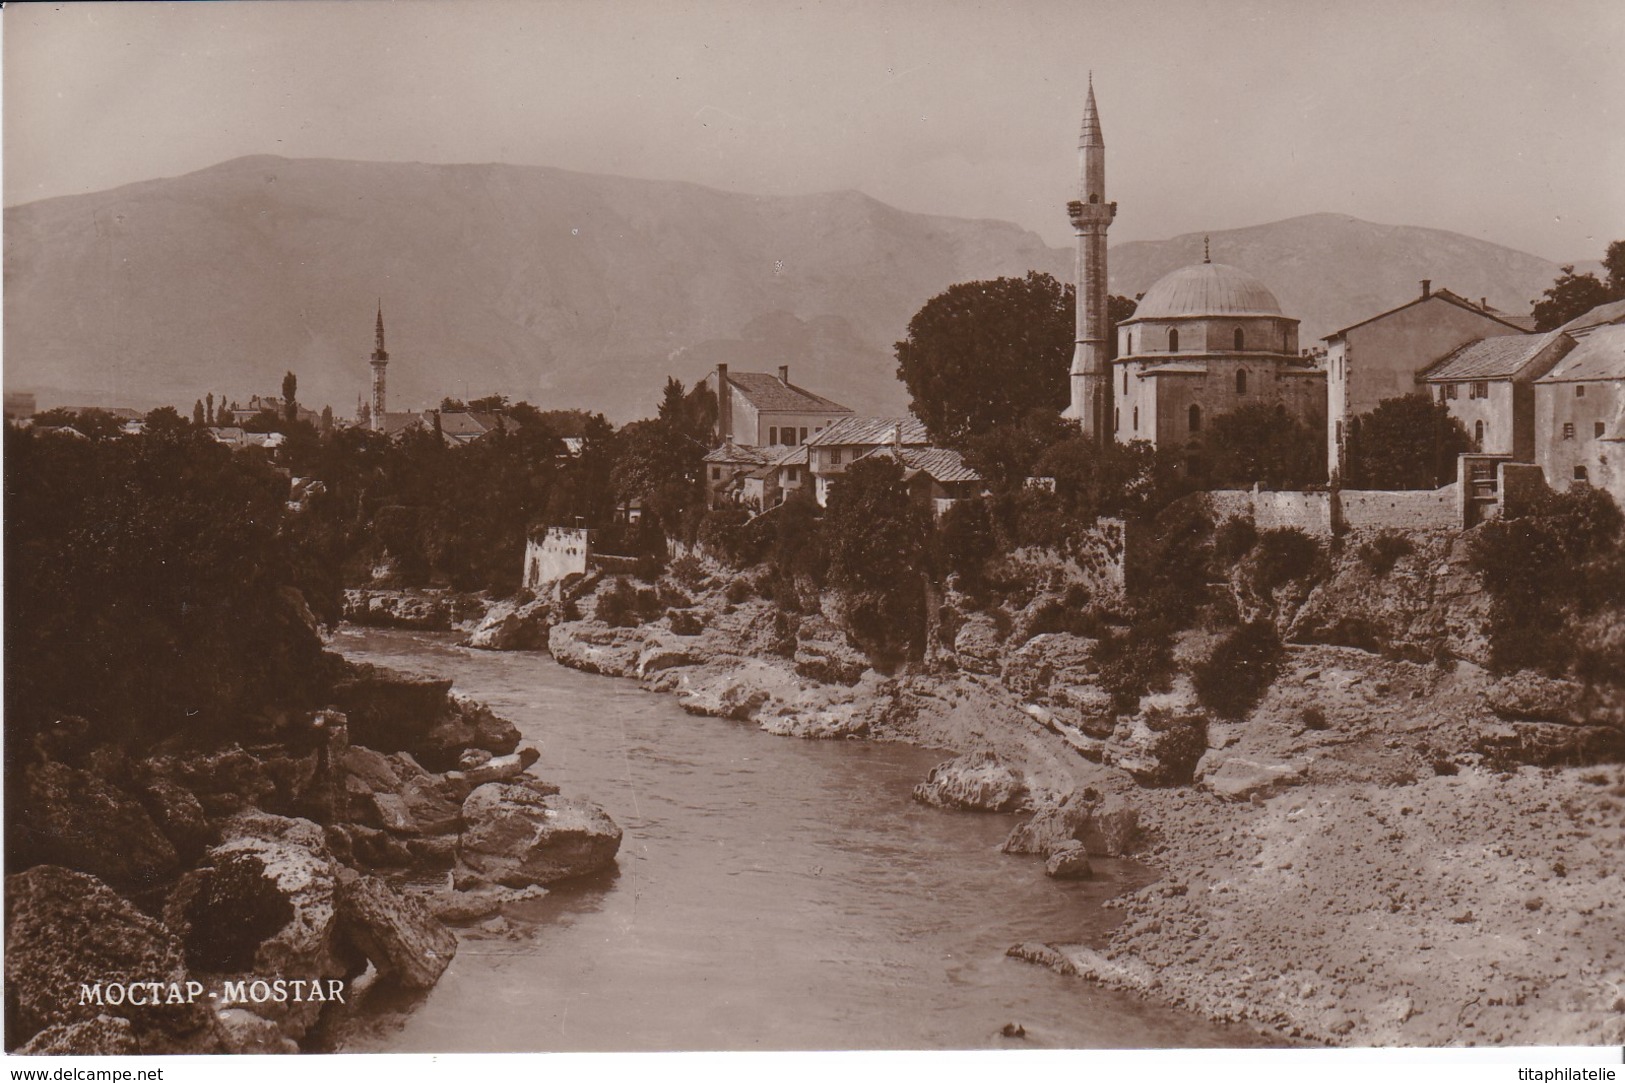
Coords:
784,375
725,406
1427,287
1484,303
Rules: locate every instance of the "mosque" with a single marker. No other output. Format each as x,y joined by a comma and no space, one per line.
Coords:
1204,340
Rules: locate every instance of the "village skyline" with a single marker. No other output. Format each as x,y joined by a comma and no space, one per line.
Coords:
1220,117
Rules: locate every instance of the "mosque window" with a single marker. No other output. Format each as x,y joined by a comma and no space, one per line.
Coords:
1241,377
1128,343
1137,419
1239,339
1117,419
1173,341
1125,379
1196,418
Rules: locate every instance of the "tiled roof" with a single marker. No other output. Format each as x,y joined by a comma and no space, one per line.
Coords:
943,464
1501,357
1612,312
1436,295
870,432
791,456
1599,355
403,422
770,394
737,453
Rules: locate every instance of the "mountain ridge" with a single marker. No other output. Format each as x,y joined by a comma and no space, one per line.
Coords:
577,289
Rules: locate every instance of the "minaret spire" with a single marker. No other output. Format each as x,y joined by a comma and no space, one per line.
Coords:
1091,217
380,361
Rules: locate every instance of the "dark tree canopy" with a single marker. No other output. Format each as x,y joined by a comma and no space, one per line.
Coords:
290,397
1574,295
1614,263
982,354
877,539
1410,442
1262,444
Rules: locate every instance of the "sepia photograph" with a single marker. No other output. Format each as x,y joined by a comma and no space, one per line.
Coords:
1036,528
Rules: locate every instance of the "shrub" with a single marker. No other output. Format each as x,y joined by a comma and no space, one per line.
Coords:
1234,539
1314,718
737,591
1282,555
1134,662
689,572
617,604
685,622
1240,670
1381,553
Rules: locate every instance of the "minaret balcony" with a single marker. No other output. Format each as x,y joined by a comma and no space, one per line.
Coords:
1083,214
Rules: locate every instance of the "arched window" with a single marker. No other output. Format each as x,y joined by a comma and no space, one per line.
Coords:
1117,419
1478,436
1241,379
1196,418
1125,379
1173,341
1239,339
1094,197
1128,345
1136,419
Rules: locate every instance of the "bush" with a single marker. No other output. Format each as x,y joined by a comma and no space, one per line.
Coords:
1381,553
618,604
1283,555
1314,718
689,572
1240,670
1234,539
1134,662
737,591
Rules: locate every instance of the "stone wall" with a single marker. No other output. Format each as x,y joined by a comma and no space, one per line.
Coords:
561,552
1413,509
1313,513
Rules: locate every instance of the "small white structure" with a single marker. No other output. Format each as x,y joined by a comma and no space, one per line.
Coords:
560,552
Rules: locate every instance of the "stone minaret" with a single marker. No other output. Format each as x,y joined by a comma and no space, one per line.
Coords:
1091,218
380,361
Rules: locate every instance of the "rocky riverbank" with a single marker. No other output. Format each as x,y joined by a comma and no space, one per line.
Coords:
1381,852
241,899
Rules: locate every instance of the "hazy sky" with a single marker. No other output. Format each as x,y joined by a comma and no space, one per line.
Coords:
1502,120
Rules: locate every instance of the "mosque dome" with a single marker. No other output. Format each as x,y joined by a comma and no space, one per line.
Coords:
1207,289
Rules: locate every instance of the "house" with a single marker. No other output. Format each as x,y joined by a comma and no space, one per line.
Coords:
460,428
843,443
936,477
1380,357
725,470
1206,340
757,409
1579,409
1489,386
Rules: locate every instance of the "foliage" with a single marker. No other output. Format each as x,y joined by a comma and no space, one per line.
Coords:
1134,662
1556,576
1263,444
1282,555
982,354
725,534
622,605
96,424
1381,553
1614,263
1572,295
1410,442
290,398
876,537
965,541
1131,481
1007,455
154,586
1231,680
1234,539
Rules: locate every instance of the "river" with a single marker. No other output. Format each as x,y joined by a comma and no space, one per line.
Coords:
771,894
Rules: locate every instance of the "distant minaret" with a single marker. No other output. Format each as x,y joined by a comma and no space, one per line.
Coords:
1091,218
380,360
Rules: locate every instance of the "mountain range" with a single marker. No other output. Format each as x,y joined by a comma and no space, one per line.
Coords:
571,289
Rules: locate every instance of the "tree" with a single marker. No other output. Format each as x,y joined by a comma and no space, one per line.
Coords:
290,397
166,423
1574,295
1262,444
982,354
327,419
877,538
199,418
490,404
1410,442
449,405
208,414
1006,455
1614,262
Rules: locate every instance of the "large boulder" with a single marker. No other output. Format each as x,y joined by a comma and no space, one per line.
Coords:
398,934
1069,863
515,837
264,903
1106,827
224,781
1229,774
1161,747
594,647
823,653
979,781
103,1036
390,711
512,626
1049,659
978,646
466,724
179,815
66,930
82,821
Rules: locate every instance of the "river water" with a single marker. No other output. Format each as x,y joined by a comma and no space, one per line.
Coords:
771,894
